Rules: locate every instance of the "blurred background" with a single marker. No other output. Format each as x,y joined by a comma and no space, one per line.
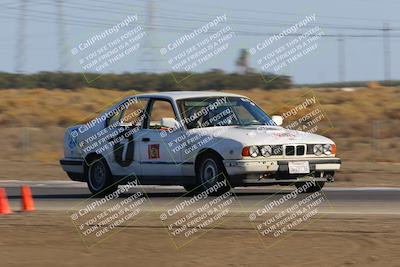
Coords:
353,73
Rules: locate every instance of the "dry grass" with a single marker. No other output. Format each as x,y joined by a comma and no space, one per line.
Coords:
349,111
43,108
33,121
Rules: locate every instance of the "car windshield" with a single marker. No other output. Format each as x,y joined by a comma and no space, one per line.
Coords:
221,111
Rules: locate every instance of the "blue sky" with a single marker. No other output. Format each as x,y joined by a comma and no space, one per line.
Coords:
252,20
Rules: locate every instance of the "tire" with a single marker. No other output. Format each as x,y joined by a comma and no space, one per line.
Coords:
211,172
99,178
312,189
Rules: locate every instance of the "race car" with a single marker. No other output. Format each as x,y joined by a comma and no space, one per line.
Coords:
196,140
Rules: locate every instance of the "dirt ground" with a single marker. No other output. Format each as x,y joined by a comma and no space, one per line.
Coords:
50,239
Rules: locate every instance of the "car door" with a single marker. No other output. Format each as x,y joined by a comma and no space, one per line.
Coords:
127,125
158,161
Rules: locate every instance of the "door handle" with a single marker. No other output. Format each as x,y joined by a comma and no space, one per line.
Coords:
145,139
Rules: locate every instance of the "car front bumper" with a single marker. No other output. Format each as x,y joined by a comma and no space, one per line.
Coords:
277,171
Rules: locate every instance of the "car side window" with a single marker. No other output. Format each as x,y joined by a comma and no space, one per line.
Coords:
159,109
134,113
112,121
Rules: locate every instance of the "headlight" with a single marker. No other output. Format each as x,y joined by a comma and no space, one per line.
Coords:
318,150
327,149
254,152
266,151
330,149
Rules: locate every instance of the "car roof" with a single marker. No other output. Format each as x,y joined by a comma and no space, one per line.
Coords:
175,95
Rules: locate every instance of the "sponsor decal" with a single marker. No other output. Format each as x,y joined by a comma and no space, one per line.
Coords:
154,151
281,135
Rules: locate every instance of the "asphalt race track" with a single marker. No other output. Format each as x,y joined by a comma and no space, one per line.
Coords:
65,195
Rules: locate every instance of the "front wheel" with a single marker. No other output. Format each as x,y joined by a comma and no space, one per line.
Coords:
99,178
211,175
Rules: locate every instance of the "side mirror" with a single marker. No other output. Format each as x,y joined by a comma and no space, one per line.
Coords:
169,123
277,119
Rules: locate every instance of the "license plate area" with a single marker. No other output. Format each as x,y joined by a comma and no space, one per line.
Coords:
299,167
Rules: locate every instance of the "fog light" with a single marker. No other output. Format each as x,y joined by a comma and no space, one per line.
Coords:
254,152
266,151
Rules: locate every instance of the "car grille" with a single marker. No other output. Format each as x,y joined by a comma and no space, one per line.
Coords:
310,150
289,150
277,150
298,150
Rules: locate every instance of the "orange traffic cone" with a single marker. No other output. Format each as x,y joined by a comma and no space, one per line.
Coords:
27,200
4,206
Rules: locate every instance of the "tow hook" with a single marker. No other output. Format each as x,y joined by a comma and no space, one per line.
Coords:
330,178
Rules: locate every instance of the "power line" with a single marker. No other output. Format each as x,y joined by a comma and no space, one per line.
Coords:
174,28
170,15
263,12
255,22
205,20
258,23
55,15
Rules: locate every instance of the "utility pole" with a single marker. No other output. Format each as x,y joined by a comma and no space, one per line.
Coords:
341,59
20,53
61,36
386,51
149,51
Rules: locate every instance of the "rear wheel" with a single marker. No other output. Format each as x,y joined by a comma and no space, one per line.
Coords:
310,189
99,178
211,174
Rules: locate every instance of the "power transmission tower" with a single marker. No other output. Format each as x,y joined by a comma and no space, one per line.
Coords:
341,59
20,53
62,55
386,51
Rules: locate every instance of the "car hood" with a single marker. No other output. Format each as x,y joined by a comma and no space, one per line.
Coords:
261,135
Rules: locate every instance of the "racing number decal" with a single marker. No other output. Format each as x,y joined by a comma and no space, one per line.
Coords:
154,151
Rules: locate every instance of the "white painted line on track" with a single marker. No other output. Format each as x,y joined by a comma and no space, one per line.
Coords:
66,183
